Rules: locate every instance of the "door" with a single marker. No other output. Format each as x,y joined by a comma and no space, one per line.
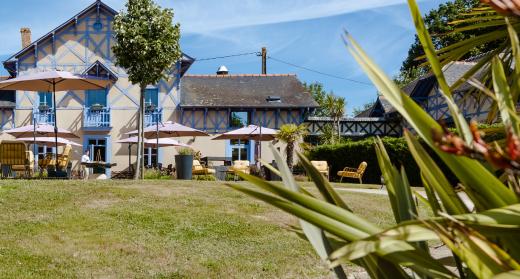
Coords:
239,149
99,147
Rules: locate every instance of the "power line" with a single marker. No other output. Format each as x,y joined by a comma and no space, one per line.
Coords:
318,72
228,56
284,62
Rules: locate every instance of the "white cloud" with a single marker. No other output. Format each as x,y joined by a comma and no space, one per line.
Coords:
198,16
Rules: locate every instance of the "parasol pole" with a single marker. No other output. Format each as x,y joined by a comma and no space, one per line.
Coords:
157,140
34,143
55,125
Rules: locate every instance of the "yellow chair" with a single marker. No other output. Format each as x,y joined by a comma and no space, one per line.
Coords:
199,169
353,173
241,166
64,157
322,167
13,155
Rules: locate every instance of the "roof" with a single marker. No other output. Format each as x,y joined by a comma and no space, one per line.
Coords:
423,85
10,64
7,97
244,91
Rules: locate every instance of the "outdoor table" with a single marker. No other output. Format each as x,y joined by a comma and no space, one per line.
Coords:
98,164
226,160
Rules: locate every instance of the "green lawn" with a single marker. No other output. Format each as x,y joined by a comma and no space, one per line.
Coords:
158,229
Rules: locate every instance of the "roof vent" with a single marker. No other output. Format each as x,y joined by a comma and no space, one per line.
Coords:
274,99
222,70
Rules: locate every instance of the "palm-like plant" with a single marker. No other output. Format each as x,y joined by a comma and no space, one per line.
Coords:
336,107
484,240
291,134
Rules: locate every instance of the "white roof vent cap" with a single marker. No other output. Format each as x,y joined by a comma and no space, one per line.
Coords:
222,70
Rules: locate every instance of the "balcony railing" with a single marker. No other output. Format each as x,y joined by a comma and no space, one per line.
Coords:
94,117
43,116
152,117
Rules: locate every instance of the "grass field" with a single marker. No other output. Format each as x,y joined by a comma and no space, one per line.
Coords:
158,229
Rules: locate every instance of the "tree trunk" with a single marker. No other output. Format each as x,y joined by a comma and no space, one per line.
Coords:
139,169
289,153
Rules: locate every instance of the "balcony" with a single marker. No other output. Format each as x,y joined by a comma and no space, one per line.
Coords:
96,117
152,116
43,115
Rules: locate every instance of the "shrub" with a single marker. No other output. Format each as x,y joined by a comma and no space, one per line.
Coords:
352,153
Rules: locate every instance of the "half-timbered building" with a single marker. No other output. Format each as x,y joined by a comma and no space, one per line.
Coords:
426,92
214,103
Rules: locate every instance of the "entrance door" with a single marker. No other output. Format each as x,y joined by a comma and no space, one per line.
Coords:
239,149
98,152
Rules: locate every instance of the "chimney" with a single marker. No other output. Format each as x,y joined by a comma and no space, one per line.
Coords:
222,70
26,36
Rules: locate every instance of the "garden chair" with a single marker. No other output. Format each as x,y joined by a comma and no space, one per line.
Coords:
239,166
199,169
13,157
27,168
64,157
322,167
353,173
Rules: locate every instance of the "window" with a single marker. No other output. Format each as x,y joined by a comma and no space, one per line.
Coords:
45,99
150,156
151,97
238,119
96,97
239,149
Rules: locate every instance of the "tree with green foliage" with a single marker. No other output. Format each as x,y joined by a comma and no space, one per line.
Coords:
319,94
438,23
329,106
147,48
291,134
362,108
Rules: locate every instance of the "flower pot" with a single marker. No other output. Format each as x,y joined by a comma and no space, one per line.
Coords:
184,164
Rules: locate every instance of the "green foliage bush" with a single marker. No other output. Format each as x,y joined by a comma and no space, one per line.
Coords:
352,153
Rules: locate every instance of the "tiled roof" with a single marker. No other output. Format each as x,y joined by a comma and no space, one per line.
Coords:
244,91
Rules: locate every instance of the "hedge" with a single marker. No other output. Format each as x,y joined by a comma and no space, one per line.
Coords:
351,154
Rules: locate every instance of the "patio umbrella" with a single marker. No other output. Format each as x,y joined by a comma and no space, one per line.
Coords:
52,81
168,130
251,132
40,130
45,140
161,142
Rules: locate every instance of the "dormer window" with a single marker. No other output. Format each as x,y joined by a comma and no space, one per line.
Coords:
274,99
97,69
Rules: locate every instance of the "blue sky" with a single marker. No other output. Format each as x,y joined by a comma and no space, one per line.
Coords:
302,32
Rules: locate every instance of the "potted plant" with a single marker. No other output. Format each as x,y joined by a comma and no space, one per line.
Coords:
96,107
43,108
184,163
150,107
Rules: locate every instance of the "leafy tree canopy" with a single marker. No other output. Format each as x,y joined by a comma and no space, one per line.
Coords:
438,24
329,104
147,41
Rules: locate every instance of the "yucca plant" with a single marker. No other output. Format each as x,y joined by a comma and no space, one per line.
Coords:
483,237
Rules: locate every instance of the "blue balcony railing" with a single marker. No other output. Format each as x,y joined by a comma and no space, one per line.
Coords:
43,116
95,117
152,117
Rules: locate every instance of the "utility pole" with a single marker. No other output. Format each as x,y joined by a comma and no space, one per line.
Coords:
264,60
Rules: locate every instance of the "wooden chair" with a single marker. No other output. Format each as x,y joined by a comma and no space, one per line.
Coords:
241,166
13,157
322,167
353,173
199,169
64,157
